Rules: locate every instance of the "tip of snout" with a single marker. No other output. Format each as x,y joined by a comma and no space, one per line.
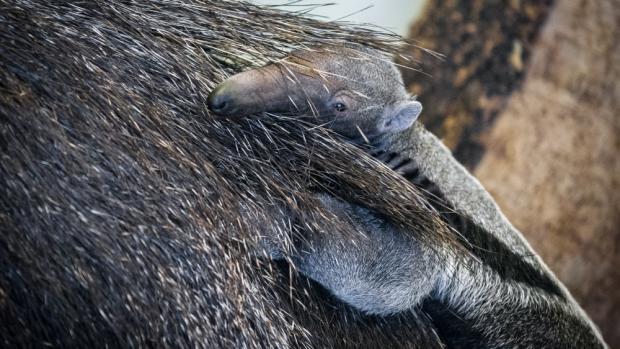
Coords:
220,101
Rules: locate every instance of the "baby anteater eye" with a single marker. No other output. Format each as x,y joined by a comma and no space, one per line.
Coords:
339,107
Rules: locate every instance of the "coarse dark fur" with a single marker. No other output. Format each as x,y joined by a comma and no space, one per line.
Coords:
496,295
130,218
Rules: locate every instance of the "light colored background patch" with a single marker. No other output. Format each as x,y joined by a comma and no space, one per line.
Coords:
394,15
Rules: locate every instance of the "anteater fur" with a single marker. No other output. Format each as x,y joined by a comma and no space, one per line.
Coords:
130,217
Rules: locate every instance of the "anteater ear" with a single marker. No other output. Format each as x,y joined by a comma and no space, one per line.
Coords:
401,117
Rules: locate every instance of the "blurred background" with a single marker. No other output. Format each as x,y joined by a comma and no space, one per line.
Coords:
528,99
392,15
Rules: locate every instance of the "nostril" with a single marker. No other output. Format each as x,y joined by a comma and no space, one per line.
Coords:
219,104
218,101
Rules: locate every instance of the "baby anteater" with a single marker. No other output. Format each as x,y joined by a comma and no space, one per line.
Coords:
496,294
356,93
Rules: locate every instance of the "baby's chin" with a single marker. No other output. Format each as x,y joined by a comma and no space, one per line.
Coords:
352,129
346,128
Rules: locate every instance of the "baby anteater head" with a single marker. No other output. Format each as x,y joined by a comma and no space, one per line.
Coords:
357,92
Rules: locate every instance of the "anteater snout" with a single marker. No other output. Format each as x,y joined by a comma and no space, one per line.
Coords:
251,92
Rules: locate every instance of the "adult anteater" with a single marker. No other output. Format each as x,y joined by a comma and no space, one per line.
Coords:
129,217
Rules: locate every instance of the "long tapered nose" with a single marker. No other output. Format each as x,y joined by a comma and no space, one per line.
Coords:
258,90
249,92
